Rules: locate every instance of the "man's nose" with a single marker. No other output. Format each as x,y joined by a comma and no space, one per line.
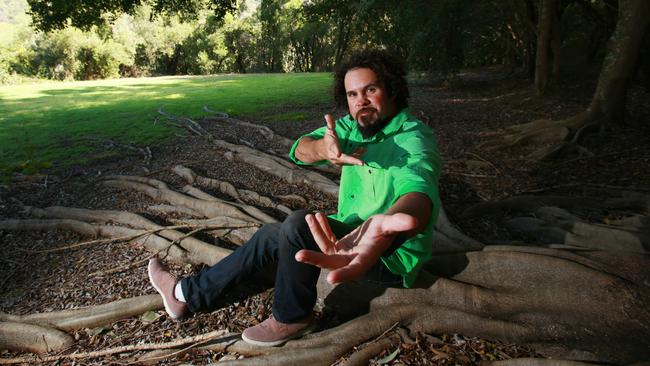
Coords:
362,100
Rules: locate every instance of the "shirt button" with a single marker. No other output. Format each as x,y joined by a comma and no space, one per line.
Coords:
351,196
369,171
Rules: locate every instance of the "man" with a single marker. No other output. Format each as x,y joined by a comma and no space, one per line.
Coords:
388,202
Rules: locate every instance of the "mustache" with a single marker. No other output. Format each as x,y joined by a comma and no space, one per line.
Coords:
366,109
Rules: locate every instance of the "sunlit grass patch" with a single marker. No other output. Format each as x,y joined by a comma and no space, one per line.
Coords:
289,117
50,120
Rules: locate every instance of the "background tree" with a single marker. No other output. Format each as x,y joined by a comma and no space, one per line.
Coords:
607,107
544,33
438,37
57,14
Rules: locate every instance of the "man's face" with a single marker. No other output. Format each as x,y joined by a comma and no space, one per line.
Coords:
368,101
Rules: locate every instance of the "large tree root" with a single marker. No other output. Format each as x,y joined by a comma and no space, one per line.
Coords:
553,300
268,133
91,316
550,299
181,248
143,237
32,338
280,167
122,349
271,164
553,225
214,208
234,220
283,142
448,239
238,195
160,191
44,332
551,136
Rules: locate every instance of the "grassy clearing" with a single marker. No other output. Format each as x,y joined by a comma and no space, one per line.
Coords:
67,122
289,116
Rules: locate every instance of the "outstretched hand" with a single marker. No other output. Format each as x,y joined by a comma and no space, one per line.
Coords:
333,149
351,256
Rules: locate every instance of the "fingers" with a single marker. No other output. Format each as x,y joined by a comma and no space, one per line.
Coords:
349,160
332,145
320,236
327,261
329,120
325,226
348,273
331,140
398,223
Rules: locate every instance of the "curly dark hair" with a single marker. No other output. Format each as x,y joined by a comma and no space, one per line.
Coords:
389,70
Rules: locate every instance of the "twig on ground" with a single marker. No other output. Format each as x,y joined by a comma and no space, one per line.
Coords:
162,357
183,122
483,159
392,327
148,232
135,264
200,339
126,267
267,132
122,337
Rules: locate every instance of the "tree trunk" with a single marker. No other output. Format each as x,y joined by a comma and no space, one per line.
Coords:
608,103
544,30
530,39
620,61
556,45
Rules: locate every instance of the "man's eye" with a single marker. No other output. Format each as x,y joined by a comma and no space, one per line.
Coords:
372,90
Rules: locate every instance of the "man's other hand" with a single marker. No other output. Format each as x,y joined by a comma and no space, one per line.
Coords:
351,256
333,149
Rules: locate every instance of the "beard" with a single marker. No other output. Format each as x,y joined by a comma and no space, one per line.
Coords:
370,123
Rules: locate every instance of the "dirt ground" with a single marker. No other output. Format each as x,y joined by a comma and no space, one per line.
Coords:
461,113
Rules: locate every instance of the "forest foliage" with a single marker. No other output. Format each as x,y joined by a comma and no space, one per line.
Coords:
148,38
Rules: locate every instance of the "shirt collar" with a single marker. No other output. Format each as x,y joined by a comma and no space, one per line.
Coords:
392,127
396,123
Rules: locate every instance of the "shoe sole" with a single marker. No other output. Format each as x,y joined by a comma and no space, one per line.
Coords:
169,312
303,332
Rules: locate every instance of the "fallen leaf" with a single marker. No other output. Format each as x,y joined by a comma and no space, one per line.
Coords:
387,359
150,317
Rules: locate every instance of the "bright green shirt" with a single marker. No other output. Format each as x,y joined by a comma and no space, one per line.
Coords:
400,159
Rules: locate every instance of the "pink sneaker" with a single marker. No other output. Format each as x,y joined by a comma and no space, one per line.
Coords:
273,333
164,282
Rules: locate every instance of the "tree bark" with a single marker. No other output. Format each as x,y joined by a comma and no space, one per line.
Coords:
544,31
620,60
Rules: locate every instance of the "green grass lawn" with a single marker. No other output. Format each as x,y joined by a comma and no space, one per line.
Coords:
64,122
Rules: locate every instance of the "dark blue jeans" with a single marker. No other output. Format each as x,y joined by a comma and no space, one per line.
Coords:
295,282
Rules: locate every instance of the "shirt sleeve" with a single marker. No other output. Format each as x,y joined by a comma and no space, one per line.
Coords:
317,134
342,131
419,169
